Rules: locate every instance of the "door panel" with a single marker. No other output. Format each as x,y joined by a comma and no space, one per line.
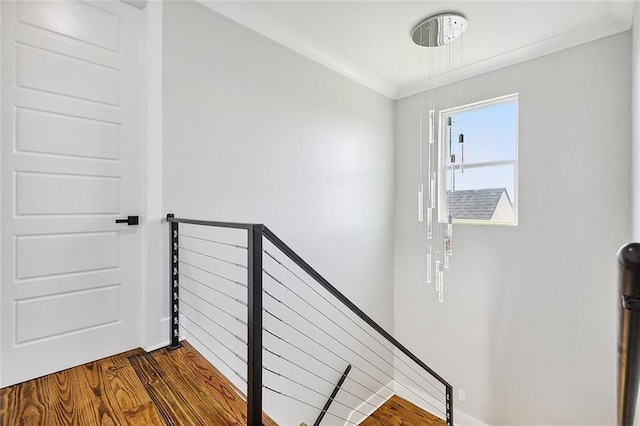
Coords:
71,90
60,134
49,194
65,75
32,316
48,255
81,22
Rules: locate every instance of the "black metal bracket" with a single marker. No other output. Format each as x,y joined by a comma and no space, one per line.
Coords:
130,220
449,405
333,396
174,325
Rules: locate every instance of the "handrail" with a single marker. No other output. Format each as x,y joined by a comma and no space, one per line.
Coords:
256,232
628,332
236,225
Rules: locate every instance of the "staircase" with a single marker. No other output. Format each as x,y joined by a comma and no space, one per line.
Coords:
287,338
400,412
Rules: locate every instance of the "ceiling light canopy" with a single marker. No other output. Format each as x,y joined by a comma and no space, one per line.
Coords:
440,29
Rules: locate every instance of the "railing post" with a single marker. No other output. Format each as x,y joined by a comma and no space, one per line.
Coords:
449,405
254,327
174,286
628,332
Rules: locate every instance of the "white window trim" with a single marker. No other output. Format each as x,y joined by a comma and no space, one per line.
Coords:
443,167
481,164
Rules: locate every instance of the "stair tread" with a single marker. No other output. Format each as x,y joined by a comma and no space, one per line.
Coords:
400,412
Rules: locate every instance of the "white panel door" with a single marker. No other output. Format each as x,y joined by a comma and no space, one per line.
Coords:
71,91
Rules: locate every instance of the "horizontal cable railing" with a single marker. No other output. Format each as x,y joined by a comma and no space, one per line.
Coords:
288,336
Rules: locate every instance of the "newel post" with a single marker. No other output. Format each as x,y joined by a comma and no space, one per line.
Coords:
254,332
628,332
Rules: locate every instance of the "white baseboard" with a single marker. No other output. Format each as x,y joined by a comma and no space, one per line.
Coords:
418,397
157,346
463,419
383,394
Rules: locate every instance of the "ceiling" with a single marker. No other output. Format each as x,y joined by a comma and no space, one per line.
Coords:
369,41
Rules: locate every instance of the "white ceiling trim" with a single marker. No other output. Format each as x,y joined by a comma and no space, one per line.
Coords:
541,48
263,24
246,15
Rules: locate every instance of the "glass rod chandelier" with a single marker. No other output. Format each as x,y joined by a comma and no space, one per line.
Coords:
437,32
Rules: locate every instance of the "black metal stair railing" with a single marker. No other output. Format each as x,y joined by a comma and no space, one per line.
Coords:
268,311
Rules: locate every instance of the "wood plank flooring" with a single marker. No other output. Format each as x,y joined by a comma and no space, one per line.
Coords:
400,412
134,388
157,388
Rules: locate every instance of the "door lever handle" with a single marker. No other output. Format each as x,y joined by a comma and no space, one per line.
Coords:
130,220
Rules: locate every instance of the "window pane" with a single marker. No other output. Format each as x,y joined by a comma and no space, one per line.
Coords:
489,133
482,193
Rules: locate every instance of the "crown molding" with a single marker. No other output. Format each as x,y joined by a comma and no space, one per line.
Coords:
619,21
263,24
241,12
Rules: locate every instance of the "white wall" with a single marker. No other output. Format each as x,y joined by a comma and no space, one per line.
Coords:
256,133
528,327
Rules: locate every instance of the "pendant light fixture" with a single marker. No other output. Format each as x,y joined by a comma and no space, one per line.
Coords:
437,32
440,29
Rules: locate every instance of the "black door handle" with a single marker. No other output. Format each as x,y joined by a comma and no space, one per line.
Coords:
130,220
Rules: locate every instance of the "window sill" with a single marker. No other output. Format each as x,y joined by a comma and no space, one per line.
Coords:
483,222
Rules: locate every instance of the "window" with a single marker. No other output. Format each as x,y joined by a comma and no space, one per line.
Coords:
480,168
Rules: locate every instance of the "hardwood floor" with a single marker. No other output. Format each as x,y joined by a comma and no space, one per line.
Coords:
133,388
400,412
157,388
